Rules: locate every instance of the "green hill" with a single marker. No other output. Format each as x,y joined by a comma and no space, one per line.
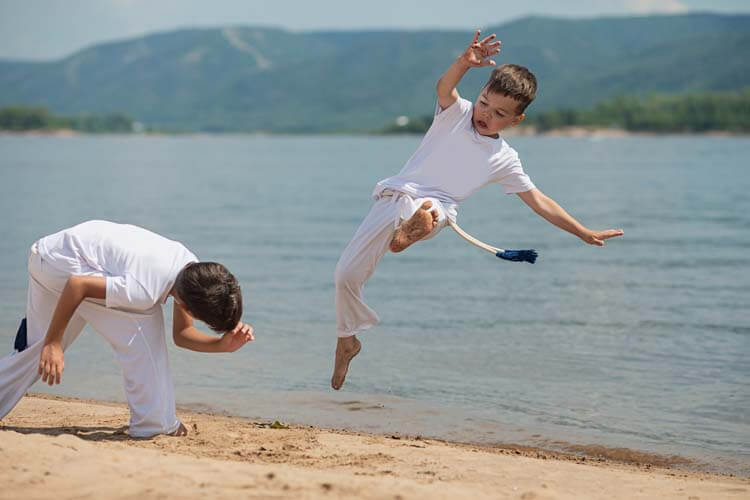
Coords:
263,79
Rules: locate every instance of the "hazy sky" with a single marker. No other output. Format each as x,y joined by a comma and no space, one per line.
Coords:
50,29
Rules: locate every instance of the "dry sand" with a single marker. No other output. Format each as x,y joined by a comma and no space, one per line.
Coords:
62,448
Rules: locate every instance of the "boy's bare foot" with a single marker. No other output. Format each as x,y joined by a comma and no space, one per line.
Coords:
417,227
181,431
346,349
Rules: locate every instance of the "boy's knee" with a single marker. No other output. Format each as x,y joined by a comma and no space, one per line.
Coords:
345,275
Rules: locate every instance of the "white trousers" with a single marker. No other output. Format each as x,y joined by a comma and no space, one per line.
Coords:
359,259
136,337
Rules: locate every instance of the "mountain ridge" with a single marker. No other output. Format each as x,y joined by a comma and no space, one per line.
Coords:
260,78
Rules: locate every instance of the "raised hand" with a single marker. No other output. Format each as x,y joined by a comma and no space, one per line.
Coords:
478,53
237,337
597,237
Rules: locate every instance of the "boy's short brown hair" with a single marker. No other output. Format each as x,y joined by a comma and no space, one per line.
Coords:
514,81
211,294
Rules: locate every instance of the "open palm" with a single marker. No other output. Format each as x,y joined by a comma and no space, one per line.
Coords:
477,54
597,237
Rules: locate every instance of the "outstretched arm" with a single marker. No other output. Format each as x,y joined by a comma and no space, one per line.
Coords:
555,214
185,335
77,288
476,55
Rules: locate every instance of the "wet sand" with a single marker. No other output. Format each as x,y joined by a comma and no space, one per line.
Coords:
67,448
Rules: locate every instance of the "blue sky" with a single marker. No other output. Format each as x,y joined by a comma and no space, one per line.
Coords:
50,29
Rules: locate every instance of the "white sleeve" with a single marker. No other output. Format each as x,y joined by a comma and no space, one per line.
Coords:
454,112
125,292
512,177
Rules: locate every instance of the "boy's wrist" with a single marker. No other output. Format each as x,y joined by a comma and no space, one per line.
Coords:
462,64
53,338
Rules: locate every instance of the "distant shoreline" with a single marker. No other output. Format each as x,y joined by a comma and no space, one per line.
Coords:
569,132
605,132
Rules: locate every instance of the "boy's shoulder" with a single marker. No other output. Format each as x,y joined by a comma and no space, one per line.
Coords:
505,150
460,107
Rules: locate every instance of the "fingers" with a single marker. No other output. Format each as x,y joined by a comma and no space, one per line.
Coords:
491,51
476,36
51,373
604,235
487,52
245,337
612,233
45,370
239,336
247,331
485,40
426,205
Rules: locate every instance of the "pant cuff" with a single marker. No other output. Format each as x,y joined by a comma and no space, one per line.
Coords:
359,329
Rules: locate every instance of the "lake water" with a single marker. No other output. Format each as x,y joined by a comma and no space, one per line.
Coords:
643,344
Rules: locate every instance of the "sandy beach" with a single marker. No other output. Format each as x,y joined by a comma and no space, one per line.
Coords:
66,448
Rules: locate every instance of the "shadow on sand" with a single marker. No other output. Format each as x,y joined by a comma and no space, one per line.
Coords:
93,433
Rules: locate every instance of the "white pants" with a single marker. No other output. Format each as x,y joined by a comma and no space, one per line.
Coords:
136,337
367,247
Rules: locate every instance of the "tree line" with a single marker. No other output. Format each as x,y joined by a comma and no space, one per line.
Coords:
25,119
694,112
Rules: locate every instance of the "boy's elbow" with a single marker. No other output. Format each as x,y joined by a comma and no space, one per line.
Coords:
441,91
177,338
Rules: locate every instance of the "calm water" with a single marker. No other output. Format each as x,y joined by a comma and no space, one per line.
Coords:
642,344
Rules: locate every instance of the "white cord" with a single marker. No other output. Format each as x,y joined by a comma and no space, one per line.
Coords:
463,234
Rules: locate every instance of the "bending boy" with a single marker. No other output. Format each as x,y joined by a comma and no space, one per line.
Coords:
460,153
116,277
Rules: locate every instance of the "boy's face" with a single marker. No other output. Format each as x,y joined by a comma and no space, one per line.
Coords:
494,112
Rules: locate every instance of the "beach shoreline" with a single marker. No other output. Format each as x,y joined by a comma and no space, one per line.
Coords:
60,443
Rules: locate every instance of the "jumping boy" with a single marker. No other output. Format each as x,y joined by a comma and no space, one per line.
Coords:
116,277
460,153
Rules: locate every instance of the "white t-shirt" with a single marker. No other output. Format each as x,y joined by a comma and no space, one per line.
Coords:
140,266
454,160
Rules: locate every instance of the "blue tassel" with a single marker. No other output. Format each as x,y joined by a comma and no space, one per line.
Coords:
518,255
21,343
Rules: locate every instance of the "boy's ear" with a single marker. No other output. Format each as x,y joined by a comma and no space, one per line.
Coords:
518,119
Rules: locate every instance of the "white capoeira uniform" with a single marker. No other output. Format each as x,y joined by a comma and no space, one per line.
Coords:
452,162
140,268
